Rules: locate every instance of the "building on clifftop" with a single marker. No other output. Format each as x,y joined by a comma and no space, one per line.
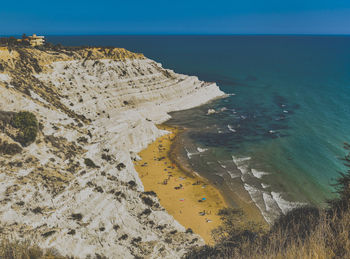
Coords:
35,40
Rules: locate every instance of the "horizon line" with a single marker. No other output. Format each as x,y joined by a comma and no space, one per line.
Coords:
185,34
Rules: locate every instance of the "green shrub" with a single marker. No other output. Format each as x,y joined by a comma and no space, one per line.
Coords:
146,212
77,216
27,123
123,237
147,201
9,149
89,163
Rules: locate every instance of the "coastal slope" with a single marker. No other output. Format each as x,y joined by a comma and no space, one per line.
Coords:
75,188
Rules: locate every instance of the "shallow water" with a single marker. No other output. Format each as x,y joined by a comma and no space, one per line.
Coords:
282,131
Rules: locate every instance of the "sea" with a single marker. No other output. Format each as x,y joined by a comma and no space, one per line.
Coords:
280,131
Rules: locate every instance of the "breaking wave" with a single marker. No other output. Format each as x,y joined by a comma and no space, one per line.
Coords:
270,203
230,128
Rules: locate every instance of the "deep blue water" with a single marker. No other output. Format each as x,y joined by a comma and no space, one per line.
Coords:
290,113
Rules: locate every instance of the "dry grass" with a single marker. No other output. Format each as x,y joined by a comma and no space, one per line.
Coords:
23,250
302,233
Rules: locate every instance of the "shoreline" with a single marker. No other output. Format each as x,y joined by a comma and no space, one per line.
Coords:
239,198
190,198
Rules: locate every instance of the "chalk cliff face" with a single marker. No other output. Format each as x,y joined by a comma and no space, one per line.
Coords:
93,105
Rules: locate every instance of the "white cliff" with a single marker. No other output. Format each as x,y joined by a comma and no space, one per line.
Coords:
103,107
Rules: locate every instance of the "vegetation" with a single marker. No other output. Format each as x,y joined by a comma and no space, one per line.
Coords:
12,42
89,163
305,232
12,250
27,123
9,149
148,201
77,216
121,166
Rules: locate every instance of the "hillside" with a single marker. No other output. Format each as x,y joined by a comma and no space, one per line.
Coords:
72,122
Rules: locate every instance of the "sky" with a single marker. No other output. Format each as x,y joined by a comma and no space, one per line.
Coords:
65,17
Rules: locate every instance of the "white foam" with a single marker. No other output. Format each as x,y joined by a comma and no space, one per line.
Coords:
189,154
244,169
223,166
211,111
201,149
255,195
233,175
230,128
265,186
271,205
269,202
240,160
285,205
265,202
258,174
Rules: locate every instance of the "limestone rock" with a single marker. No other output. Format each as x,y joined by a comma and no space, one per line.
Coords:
99,104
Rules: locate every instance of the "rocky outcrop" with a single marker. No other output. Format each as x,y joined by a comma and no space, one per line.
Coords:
75,187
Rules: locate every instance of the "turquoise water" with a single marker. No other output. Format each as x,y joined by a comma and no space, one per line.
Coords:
290,112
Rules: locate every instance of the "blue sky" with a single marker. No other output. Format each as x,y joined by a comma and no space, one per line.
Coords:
175,17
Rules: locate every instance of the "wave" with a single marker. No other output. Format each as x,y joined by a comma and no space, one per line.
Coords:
190,154
258,174
200,150
213,111
285,205
228,171
258,199
238,161
230,128
271,204
265,186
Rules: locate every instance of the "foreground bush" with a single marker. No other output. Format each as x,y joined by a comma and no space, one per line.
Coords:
16,250
305,232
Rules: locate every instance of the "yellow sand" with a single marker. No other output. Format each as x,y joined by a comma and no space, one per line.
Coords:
182,203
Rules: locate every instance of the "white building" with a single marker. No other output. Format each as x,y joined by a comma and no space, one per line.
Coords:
35,40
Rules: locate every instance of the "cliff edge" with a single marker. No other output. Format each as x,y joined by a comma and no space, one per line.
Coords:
74,186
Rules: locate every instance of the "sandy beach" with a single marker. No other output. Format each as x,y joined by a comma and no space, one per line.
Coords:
189,198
